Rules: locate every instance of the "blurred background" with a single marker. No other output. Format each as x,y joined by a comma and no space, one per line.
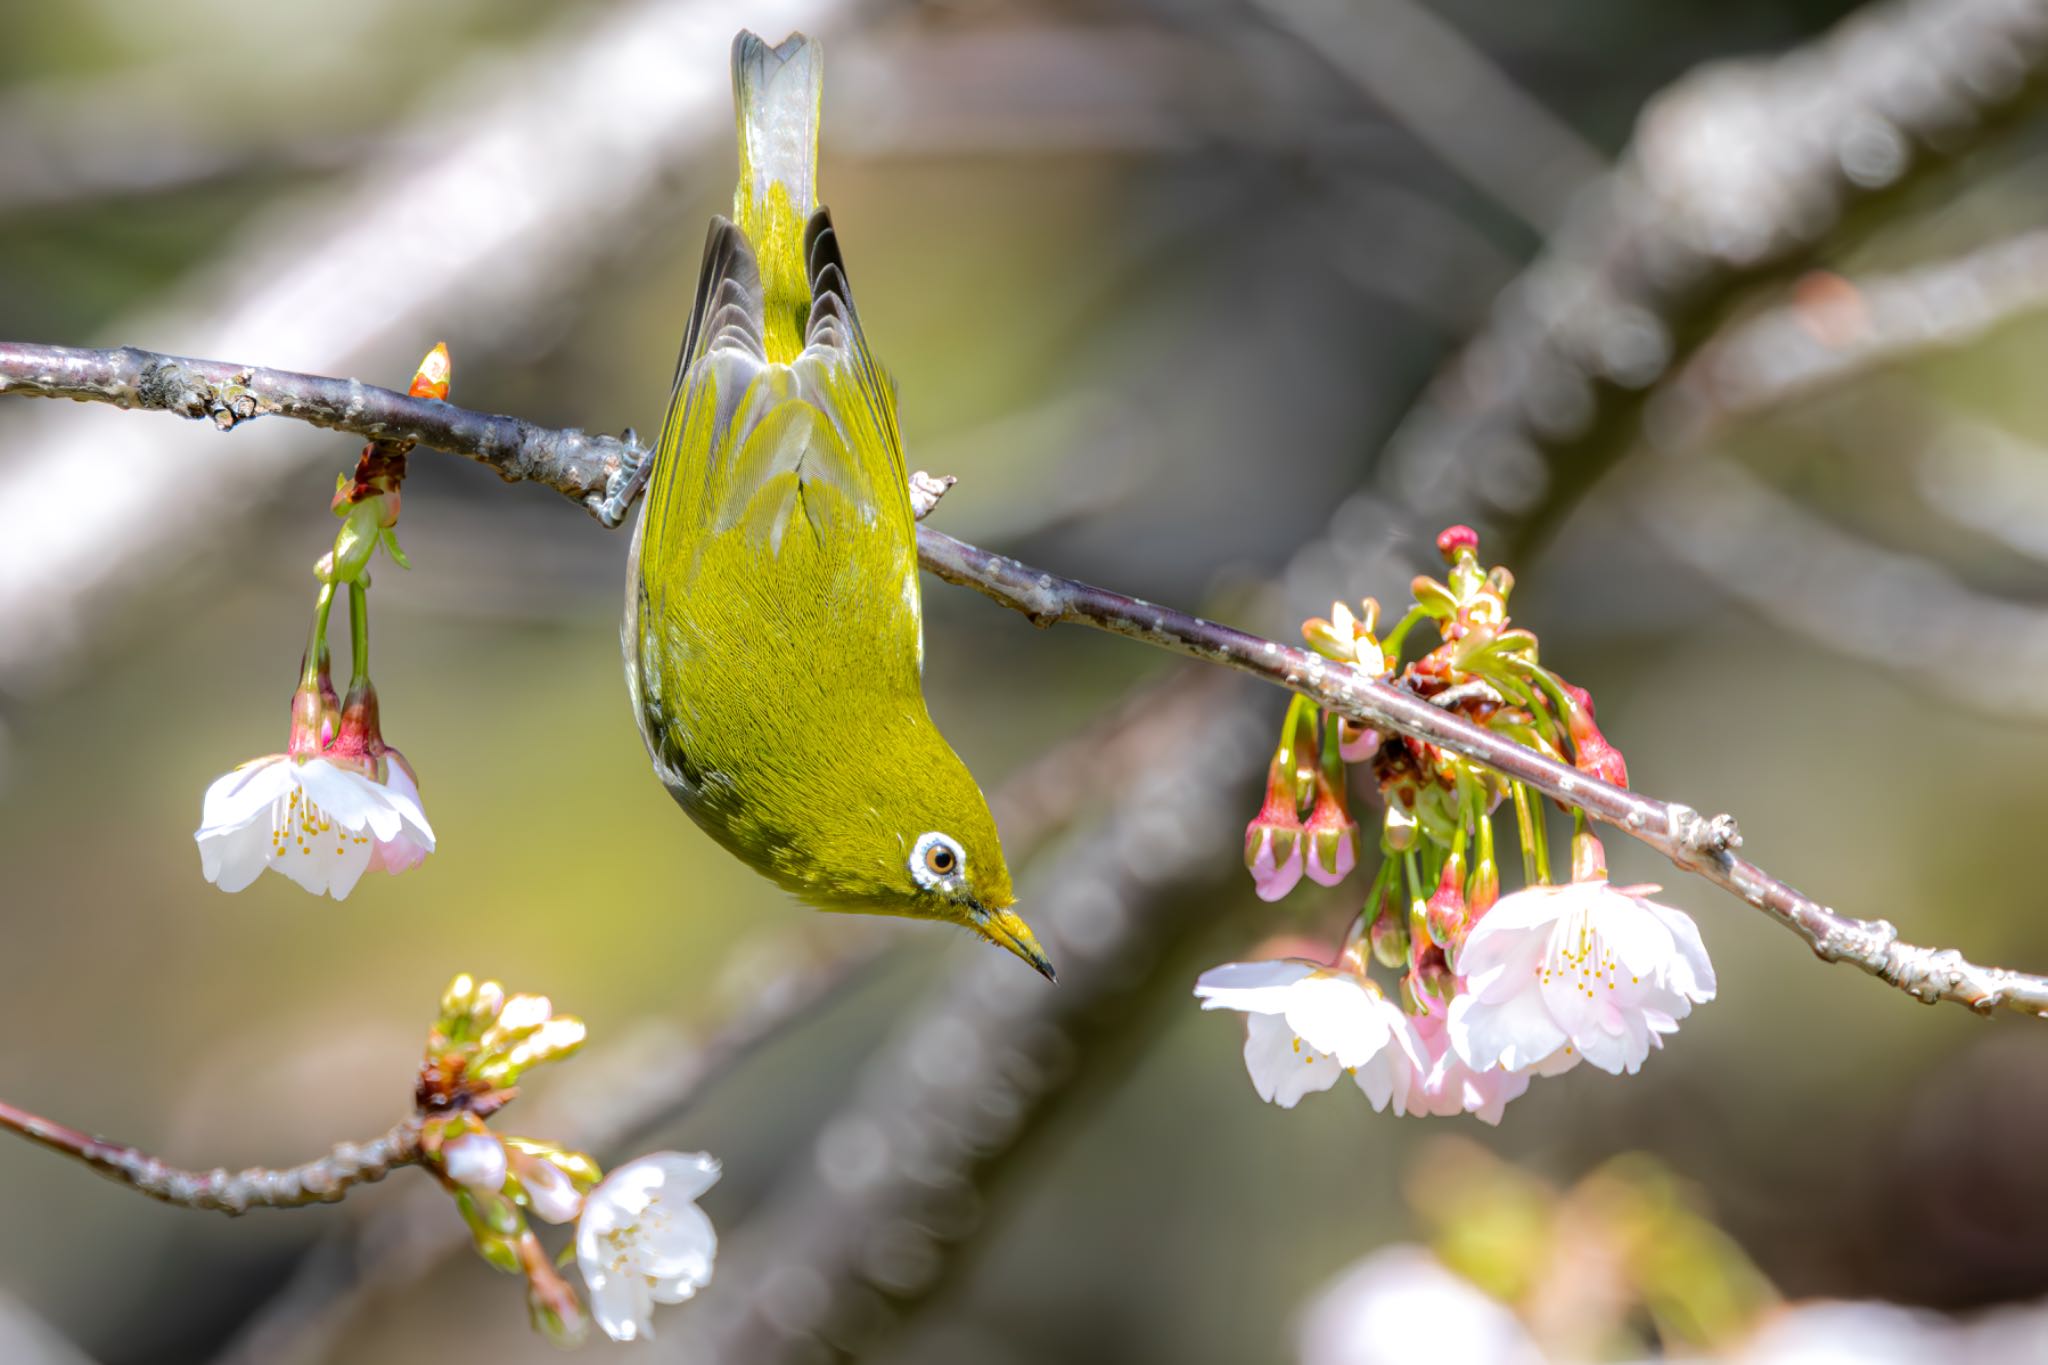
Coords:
1718,318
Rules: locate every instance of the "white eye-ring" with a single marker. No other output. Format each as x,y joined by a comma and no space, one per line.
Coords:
936,858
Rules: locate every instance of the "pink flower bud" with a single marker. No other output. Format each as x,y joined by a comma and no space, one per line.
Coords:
1332,835
1273,840
1446,914
1591,752
1355,743
1457,541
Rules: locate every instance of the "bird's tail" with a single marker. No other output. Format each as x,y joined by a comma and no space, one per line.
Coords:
775,93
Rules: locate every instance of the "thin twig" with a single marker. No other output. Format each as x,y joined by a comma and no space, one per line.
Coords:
323,1180
581,466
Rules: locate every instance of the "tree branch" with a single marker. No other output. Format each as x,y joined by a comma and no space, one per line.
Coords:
323,1180
581,466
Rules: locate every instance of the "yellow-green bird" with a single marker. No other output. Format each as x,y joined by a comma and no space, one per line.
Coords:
773,638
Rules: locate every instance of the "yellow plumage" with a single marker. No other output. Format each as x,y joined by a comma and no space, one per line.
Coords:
773,637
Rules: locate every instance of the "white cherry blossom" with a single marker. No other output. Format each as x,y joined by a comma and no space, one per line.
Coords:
320,823
1586,970
1310,1024
642,1240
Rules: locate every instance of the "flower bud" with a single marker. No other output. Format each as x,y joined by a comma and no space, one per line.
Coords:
555,1312
545,1189
1331,835
1591,752
1445,916
520,1015
1356,743
455,1000
1273,840
1454,542
1589,858
475,1159
1390,941
1483,889
431,379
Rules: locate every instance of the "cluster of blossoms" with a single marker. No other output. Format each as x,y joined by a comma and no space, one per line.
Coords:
339,801
640,1238
1492,990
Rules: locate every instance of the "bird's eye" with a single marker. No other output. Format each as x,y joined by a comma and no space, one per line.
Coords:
936,858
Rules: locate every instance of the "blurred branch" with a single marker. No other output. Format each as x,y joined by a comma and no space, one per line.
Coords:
1834,329
1452,98
580,467
323,1180
1793,568
1736,174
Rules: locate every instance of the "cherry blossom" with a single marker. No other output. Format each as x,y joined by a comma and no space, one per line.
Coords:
1310,1024
1584,970
642,1240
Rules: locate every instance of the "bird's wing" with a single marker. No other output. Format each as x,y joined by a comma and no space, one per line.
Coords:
837,374
720,362
755,452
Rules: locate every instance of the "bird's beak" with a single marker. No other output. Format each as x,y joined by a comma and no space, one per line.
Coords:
1005,929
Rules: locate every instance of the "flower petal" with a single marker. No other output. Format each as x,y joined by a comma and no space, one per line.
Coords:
1692,975
1282,1068
233,856
1513,1032
246,794
332,862
354,802
1255,987
621,1304
677,1255
1342,1015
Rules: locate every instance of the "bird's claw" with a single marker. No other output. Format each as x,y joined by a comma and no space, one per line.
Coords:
625,483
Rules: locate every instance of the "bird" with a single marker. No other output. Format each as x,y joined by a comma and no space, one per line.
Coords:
773,633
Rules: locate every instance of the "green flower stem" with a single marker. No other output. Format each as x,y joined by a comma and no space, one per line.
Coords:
316,639
1524,832
358,633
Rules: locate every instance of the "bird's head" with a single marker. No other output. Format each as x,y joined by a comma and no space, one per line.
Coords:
931,850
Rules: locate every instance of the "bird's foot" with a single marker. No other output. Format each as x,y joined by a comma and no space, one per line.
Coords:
626,482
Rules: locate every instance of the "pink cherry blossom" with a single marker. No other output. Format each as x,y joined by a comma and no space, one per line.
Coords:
1584,970
1451,1085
